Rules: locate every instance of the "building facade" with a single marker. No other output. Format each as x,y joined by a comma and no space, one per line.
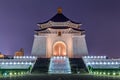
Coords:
59,36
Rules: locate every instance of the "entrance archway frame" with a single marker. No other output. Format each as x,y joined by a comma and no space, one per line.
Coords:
57,43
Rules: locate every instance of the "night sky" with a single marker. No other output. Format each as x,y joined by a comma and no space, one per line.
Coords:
100,19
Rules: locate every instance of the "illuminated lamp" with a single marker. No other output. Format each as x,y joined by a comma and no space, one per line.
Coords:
108,73
94,72
18,63
22,73
10,63
3,63
114,73
26,63
112,63
88,56
104,62
88,63
93,63
116,62
24,57
30,63
96,63
14,63
5,74
100,62
104,73
18,73
108,62
22,63
97,72
10,73
15,73
101,57
30,56
33,57
6,63
100,73
98,56
104,56
91,56
27,57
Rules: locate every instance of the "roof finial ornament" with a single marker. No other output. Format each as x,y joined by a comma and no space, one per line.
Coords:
59,10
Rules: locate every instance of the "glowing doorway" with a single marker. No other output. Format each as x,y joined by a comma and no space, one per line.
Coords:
59,62
59,49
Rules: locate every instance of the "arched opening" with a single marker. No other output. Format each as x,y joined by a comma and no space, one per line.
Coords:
59,49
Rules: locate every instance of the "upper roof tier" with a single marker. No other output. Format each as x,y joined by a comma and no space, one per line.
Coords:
58,19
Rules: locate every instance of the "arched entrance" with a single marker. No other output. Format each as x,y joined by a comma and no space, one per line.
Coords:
59,49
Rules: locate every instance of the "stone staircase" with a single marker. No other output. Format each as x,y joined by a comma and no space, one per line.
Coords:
59,65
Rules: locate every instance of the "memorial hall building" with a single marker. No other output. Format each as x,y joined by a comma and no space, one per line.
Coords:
59,36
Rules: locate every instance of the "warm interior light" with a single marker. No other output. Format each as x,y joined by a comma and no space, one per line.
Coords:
59,49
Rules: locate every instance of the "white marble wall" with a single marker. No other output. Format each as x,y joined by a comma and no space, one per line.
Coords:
53,38
75,45
79,46
39,46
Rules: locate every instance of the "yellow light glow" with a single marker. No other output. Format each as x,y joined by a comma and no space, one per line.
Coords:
59,49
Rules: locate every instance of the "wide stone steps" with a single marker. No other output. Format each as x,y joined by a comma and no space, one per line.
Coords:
59,65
